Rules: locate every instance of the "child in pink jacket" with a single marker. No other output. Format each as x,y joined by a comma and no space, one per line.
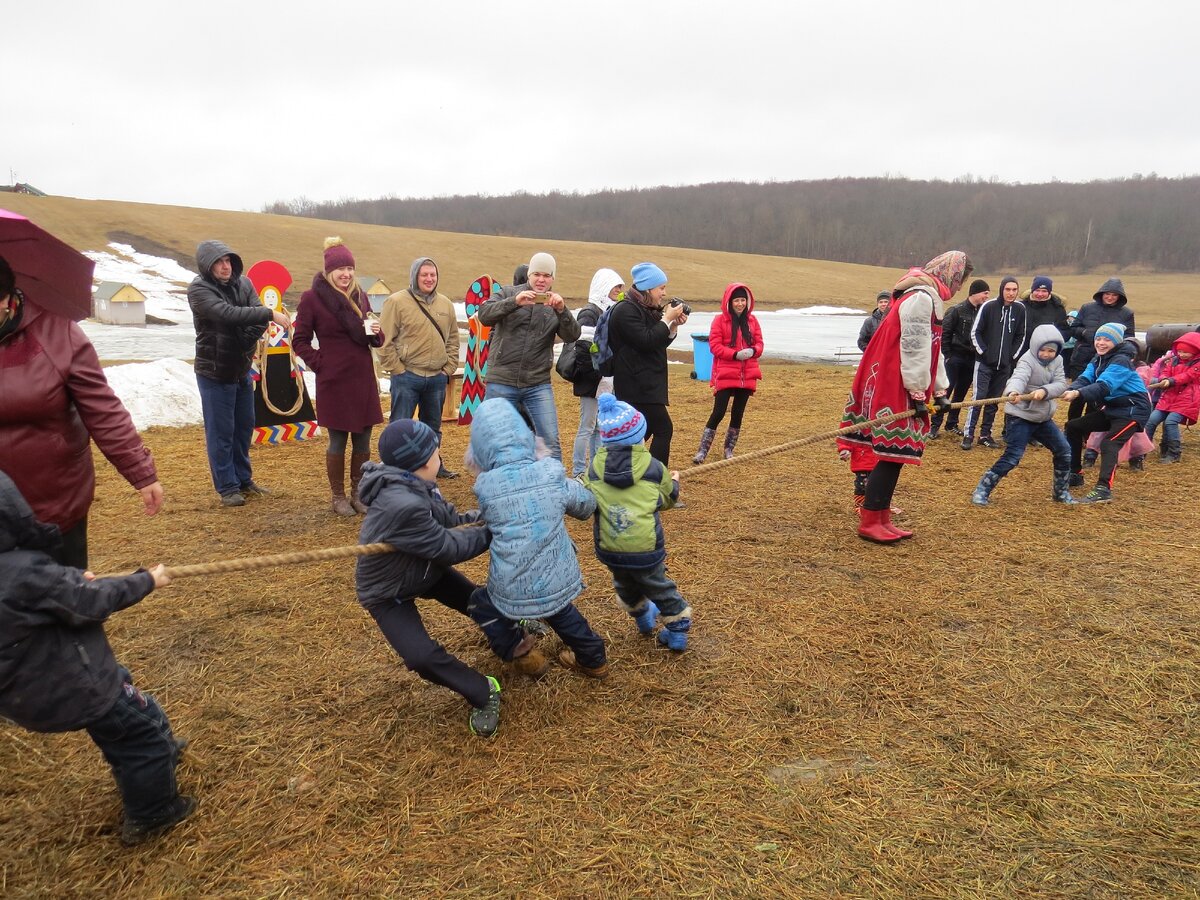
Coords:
1180,399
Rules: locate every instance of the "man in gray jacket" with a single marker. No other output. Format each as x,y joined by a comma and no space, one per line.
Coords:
525,319
229,319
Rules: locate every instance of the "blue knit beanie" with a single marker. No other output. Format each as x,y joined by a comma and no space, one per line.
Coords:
619,422
1042,281
1114,331
407,444
647,276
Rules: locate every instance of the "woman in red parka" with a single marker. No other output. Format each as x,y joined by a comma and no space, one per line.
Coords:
54,401
735,340
335,310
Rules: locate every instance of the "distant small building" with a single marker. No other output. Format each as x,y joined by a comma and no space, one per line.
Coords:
377,291
21,188
115,303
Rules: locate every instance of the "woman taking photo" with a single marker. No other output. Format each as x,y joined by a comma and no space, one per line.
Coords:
735,340
334,310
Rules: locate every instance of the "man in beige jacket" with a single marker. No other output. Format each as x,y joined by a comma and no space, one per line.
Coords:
420,348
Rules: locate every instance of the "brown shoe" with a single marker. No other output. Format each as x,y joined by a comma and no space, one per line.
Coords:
534,664
567,658
341,506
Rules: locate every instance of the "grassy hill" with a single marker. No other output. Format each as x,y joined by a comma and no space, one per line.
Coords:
386,252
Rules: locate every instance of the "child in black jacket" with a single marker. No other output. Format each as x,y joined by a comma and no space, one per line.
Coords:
58,672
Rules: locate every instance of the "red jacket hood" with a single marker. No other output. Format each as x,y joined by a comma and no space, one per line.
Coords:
1189,341
729,292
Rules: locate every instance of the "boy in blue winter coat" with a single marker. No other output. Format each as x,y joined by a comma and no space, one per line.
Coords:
406,509
631,487
58,672
533,572
1111,382
1040,372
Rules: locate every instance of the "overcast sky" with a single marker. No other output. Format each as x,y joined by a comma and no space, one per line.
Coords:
235,105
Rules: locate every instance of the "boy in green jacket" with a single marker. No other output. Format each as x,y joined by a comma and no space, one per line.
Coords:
631,487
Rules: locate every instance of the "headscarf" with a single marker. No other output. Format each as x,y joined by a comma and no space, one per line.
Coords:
945,273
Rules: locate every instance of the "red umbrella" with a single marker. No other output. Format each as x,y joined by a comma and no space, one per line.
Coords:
54,275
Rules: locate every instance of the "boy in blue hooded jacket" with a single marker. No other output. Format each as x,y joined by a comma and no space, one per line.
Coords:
533,572
1111,382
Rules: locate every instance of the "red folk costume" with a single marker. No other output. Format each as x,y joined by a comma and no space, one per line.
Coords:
899,360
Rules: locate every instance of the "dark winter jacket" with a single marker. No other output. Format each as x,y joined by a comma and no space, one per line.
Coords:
639,339
870,323
956,330
587,378
55,400
57,670
1092,315
999,333
521,348
1112,382
347,390
412,515
1051,312
229,318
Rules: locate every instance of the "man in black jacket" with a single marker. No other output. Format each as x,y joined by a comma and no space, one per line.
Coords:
998,335
229,319
959,352
58,672
1044,307
882,301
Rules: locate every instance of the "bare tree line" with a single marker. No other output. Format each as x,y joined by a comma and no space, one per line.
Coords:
1142,221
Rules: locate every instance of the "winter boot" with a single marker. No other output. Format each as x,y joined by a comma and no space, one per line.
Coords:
645,617
731,438
1060,492
139,832
872,528
674,635
532,663
485,720
1074,479
356,464
1171,451
984,489
567,659
887,523
706,439
1137,463
335,469
1089,458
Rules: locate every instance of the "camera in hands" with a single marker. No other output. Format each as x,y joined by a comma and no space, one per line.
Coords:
676,301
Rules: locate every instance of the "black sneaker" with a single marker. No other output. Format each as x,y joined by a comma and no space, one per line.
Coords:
968,442
443,472
953,429
1076,480
139,832
252,489
485,720
933,434
536,627
1098,494
1137,463
987,441
233,499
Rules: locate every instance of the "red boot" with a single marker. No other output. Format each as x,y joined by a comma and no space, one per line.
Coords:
887,523
871,527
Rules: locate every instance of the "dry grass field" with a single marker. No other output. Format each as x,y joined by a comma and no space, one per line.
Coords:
386,252
1004,706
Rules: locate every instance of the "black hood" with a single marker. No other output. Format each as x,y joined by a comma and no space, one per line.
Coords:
18,526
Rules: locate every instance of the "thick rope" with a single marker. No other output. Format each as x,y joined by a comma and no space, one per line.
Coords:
827,435
306,556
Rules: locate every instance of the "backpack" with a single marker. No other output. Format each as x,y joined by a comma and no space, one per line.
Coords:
601,349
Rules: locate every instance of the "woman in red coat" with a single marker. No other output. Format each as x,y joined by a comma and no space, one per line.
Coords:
901,369
335,310
735,339
54,401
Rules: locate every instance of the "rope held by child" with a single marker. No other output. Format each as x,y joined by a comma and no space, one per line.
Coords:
300,557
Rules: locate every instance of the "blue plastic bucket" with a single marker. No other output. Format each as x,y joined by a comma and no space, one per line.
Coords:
702,358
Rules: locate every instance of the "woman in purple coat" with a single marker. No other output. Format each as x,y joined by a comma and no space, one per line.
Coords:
334,310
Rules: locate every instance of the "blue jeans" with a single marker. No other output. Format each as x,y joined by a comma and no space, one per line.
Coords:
632,585
228,426
504,634
1170,422
137,743
587,439
422,395
1021,432
538,403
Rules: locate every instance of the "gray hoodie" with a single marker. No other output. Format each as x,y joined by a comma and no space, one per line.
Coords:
1031,373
